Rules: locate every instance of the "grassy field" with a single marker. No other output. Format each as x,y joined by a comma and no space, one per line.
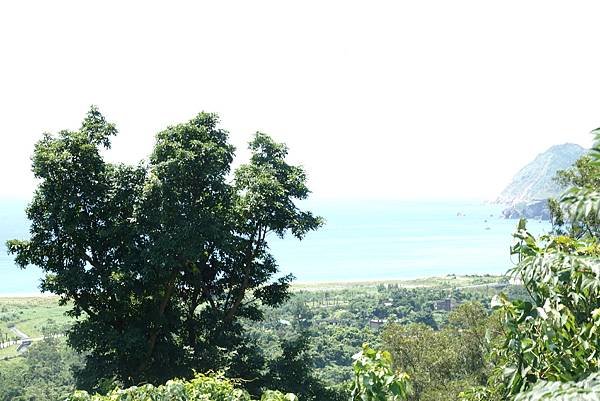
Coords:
8,352
32,315
8,361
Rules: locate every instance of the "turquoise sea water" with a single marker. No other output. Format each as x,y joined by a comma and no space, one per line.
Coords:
13,224
399,240
361,240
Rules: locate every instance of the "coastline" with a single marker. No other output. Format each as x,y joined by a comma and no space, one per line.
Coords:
457,280
28,295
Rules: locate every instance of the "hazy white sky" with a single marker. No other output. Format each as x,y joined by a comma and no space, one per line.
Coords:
398,99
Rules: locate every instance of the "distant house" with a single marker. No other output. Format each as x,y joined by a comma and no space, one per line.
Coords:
444,304
377,323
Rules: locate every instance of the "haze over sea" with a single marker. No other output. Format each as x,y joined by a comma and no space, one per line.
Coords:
361,240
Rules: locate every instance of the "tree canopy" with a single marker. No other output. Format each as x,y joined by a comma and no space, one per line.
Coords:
551,340
161,259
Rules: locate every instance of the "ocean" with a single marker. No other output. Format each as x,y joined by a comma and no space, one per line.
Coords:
361,240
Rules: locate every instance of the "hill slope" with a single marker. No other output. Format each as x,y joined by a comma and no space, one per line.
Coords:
535,180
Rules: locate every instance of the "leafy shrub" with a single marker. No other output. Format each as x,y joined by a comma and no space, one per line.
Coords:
374,378
214,387
552,340
587,389
555,336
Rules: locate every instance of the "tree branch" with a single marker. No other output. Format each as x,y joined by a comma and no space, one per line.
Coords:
161,312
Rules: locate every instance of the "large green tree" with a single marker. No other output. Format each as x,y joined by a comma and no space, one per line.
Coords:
552,337
161,260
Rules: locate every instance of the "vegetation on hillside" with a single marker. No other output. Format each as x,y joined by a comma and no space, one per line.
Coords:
44,373
306,345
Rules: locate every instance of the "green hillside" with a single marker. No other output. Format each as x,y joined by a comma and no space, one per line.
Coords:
535,181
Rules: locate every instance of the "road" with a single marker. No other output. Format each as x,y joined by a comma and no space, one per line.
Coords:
19,333
23,342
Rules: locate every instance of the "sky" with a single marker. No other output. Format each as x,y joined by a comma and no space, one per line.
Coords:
377,100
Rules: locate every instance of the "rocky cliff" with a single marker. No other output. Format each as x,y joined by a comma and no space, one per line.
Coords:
529,210
529,189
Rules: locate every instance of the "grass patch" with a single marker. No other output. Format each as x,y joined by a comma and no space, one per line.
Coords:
32,315
8,352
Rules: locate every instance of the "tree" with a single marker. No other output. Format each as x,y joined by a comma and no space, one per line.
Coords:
551,339
161,259
293,371
554,335
44,373
442,363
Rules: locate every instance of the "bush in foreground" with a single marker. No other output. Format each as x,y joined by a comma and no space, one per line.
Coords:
375,379
214,387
